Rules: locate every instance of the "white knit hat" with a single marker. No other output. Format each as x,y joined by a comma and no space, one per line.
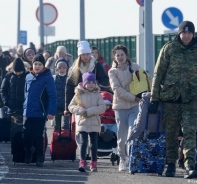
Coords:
61,49
83,47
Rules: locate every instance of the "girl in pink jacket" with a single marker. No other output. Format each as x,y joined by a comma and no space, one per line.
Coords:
87,104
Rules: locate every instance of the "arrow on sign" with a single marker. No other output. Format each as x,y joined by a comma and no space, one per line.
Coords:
173,20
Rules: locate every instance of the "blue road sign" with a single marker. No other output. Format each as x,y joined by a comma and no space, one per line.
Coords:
172,17
23,37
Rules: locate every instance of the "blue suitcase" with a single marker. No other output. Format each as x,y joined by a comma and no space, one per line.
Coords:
148,151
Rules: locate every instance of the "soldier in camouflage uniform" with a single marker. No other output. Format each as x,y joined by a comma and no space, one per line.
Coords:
175,83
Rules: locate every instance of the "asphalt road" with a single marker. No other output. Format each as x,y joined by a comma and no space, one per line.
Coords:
59,172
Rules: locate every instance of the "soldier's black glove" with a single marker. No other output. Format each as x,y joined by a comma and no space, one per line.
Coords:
152,109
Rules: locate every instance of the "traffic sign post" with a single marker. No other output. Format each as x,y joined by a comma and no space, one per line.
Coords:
172,17
46,14
23,37
141,2
50,13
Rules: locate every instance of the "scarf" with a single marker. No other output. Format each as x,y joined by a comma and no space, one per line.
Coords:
88,66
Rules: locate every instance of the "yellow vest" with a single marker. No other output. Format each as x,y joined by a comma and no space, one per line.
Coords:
141,85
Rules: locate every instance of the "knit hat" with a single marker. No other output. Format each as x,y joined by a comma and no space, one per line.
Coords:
186,26
107,102
18,65
87,77
39,57
62,61
61,49
83,47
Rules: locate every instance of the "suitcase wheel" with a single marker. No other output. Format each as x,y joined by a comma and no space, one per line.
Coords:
53,157
118,159
132,172
159,174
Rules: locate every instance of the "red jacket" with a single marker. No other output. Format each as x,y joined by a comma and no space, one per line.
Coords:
105,120
105,66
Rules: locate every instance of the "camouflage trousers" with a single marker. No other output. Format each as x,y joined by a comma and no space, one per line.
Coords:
176,115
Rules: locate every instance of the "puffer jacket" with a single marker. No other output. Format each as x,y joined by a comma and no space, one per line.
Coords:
40,95
175,73
120,79
12,92
93,103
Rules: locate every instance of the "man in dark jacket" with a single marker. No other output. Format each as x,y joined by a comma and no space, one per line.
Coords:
4,61
12,90
175,84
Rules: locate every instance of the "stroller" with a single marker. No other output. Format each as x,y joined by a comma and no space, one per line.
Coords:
107,141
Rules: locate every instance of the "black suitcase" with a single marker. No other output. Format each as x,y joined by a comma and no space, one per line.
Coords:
17,145
4,130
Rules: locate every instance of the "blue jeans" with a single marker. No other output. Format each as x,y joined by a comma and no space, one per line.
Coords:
112,127
125,119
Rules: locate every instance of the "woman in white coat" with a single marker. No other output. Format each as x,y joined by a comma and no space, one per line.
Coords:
125,104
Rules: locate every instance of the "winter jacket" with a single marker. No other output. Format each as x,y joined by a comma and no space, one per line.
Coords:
60,83
93,103
104,64
40,95
120,79
12,92
175,73
101,77
108,112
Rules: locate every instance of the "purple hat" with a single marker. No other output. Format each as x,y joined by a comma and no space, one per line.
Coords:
87,77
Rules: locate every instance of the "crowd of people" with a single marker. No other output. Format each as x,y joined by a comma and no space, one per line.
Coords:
36,87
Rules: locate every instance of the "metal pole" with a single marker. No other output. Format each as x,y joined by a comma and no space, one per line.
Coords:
41,22
148,37
18,22
82,20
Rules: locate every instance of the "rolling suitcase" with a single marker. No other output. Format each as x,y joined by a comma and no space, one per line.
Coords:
17,144
148,151
4,125
63,145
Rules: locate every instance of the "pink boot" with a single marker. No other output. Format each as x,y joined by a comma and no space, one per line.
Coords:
93,167
82,164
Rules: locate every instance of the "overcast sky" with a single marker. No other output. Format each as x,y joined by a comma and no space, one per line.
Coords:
104,18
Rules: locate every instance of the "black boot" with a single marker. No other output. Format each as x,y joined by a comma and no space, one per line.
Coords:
171,169
181,163
190,172
29,155
39,160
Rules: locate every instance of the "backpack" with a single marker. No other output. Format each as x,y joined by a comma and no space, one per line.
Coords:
140,83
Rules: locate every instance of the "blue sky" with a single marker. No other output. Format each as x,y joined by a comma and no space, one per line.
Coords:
104,18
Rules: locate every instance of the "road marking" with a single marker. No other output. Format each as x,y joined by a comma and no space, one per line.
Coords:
3,168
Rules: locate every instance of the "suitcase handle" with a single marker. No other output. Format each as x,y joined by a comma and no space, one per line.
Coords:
60,129
158,122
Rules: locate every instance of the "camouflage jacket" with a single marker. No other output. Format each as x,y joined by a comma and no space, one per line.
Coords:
175,73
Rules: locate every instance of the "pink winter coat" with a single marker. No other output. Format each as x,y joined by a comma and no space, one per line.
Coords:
93,103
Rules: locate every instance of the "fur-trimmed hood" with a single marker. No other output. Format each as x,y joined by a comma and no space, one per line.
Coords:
9,68
80,89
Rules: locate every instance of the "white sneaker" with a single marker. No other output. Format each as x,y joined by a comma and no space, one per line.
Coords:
122,165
